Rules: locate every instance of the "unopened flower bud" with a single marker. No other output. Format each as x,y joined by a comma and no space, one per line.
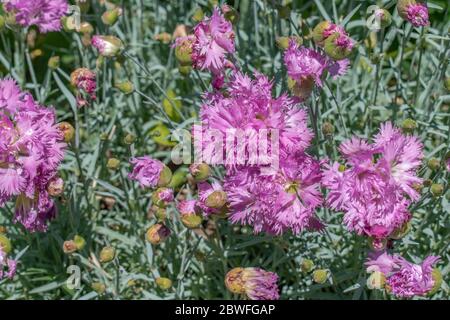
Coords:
162,197
55,187
284,11
283,42
86,27
384,17
409,125
129,139
401,231
184,70
159,213
69,247
163,283
434,164
79,241
163,37
427,182
200,171
190,213
5,244
125,87
110,17
230,13
437,281
216,200
53,62
107,46
307,265
183,51
437,189
327,129
447,83
320,276
376,280
318,32
113,163
157,233
234,281
165,177
198,15
107,254
179,177
67,131
98,287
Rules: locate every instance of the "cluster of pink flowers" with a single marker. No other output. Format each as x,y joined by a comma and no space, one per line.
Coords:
271,199
45,14
307,66
210,45
376,187
31,149
403,278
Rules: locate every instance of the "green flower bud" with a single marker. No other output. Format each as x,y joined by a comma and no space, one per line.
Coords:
401,231
200,171
409,125
179,178
283,42
230,13
434,164
110,17
307,265
320,276
79,241
447,83
113,163
68,132
107,254
184,70
159,213
217,199
376,280
385,18
53,62
163,283
165,177
5,244
318,31
437,279
98,287
86,28
198,15
284,12
183,52
172,106
157,233
129,139
126,87
327,129
437,189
